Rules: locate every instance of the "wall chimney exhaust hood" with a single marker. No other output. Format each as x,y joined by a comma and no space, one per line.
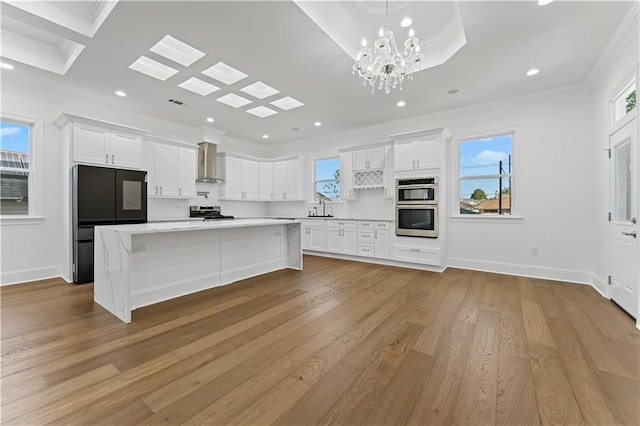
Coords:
207,163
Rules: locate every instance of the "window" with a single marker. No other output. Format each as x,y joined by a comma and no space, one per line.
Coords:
485,175
327,179
15,167
624,102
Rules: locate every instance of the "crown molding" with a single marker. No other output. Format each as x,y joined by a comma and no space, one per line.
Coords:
624,34
82,17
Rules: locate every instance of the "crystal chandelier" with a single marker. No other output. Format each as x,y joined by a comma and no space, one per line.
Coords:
386,66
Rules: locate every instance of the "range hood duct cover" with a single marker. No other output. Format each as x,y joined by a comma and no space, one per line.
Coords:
207,163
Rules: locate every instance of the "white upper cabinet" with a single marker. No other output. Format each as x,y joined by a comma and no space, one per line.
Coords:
288,179
346,176
266,181
372,158
241,178
187,158
419,150
255,179
102,146
171,169
102,143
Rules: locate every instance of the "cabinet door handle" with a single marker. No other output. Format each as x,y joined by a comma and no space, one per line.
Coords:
113,159
106,159
417,250
160,190
156,190
179,191
375,233
418,162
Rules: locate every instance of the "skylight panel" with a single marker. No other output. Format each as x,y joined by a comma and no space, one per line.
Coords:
287,103
233,100
224,73
261,111
176,50
153,68
260,90
198,86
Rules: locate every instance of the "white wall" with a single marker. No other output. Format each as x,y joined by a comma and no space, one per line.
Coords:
41,249
619,72
553,184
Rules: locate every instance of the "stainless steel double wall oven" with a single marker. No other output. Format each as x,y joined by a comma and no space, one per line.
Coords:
417,207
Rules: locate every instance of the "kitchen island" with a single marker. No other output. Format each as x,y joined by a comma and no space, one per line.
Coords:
138,265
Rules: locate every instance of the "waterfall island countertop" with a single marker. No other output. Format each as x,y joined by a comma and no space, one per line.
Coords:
138,265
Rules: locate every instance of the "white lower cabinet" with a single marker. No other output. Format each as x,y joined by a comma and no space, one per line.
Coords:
342,237
313,235
416,254
373,239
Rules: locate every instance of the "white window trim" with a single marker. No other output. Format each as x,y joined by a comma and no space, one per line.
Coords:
614,124
455,177
36,175
314,181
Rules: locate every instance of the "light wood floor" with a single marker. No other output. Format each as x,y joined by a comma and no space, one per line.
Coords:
341,342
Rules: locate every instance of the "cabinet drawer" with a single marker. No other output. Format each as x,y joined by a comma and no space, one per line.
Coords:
382,225
365,224
426,256
365,236
342,223
312,223
365,249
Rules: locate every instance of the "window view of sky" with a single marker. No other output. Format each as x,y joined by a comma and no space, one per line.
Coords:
481,157
14,137
328,170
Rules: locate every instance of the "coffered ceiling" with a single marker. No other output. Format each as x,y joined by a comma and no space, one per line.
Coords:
296,57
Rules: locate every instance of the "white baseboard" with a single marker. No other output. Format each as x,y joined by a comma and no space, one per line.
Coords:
600,285
387,262
555,274
27,275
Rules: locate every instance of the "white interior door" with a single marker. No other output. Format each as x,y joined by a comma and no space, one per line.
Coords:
625,270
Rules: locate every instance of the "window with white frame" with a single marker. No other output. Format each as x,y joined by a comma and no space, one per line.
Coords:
327,179
15,168
624,102
485,175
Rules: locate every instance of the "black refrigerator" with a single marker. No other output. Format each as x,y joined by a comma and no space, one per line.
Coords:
103,196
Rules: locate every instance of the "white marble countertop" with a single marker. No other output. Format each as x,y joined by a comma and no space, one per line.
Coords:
342,218
148,228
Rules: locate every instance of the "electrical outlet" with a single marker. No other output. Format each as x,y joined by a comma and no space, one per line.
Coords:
534,251
139,248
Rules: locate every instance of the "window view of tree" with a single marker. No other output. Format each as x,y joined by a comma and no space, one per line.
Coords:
631,101
327,179
485,167
14,168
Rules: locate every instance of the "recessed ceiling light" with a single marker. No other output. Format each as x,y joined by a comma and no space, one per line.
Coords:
153,68
265,136
120,93
260,90
401,104
233,100
198,86
261,111
406,22
224,73
287,103
453,91
317,124
544,2
210,119
6,66
532,71
176,50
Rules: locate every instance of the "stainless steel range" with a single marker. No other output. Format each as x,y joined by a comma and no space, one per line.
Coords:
207,212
